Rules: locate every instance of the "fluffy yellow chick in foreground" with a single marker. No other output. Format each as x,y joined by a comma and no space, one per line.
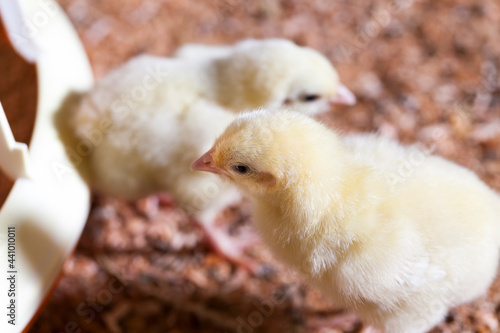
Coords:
399,254
149,119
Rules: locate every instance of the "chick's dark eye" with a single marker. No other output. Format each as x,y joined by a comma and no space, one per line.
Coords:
242,169
310,98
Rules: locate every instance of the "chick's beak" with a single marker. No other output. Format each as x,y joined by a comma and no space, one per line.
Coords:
344,96
205,163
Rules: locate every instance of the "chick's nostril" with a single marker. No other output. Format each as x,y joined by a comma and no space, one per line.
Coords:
207,158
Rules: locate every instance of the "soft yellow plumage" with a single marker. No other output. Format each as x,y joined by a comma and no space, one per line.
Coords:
149,119
399,254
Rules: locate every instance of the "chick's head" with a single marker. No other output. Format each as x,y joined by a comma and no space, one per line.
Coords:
267,152
275,72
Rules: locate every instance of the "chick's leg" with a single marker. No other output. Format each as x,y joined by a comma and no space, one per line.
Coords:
229,247
151,205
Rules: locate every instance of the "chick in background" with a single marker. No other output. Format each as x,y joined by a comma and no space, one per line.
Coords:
273,73
399,257
156,115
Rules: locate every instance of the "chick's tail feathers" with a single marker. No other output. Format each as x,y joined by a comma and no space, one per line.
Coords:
66,121
86,118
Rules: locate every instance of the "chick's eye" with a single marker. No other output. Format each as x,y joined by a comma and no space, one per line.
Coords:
241,169
310,98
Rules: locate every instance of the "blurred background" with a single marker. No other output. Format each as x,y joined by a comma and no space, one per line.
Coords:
423,71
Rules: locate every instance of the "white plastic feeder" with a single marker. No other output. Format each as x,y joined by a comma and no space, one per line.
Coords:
49,202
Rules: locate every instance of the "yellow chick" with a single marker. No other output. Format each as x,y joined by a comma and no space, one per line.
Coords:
149,119
274,72
400,254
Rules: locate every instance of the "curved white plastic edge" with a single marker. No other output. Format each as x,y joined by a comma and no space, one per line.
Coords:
14,158
18,26
49,210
